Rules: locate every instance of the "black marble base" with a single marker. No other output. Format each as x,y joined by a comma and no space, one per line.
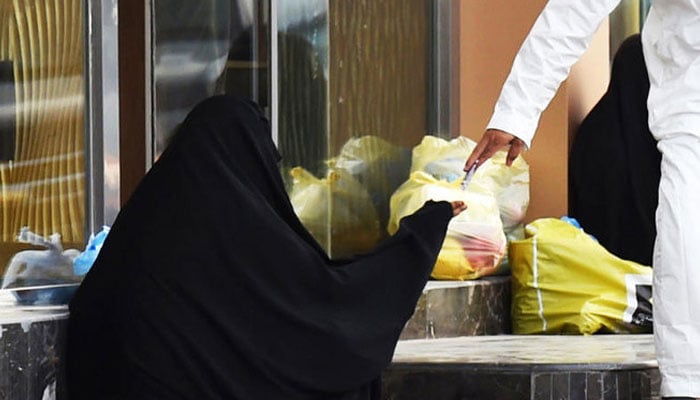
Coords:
461,308
435,383
32,353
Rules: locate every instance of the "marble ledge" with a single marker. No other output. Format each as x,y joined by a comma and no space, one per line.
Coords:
511,367
461,308
532,352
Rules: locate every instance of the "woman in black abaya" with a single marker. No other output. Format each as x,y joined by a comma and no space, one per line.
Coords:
614,167
209,287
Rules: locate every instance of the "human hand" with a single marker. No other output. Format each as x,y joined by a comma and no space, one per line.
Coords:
492,141
457,207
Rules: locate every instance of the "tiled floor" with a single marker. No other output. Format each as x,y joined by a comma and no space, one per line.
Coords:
505,367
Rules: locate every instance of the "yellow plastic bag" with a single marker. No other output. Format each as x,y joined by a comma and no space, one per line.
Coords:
445,159
378,165
566,282
475,242
336,210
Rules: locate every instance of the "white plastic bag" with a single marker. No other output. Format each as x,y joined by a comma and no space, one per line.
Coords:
444,160
475,241
38,268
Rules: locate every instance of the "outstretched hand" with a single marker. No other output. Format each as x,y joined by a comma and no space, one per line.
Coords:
492,141
457,207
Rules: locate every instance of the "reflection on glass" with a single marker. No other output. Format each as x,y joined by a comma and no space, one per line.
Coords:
202,48
626,20
302,39
246,69
191,44
352,96
42,167
353,100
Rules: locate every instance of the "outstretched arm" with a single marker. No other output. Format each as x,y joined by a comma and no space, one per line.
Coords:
559,37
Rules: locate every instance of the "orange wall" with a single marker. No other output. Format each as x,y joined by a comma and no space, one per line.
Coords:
490,33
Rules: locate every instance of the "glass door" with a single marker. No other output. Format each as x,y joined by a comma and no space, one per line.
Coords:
57,144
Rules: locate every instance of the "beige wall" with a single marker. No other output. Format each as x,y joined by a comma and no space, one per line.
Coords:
490,33
589,78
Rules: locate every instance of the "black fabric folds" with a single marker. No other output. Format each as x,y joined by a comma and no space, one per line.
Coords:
614,167
209,287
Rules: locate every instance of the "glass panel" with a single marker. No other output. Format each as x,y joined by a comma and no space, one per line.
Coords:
302,66
247,65
42,136
644,7
358,89
202,48
352,78
102,115
626,20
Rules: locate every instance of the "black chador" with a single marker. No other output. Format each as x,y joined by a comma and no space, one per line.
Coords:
209,287
615,165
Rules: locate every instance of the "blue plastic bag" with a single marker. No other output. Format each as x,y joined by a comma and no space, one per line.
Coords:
83,263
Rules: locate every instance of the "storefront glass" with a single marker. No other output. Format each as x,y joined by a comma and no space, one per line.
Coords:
357,79
202,48
53,146
355,94
627,19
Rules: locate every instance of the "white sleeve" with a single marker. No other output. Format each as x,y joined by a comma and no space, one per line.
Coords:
560,35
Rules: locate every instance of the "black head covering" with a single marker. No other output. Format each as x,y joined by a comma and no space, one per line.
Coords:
615,166
209,287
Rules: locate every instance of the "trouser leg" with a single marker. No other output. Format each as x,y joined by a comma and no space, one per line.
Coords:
677,267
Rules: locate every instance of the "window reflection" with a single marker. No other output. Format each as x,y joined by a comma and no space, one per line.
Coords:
204,48
42,163
352,95
302,37
353,92
627,19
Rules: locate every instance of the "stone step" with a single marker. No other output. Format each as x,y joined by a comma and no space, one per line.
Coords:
461,308
515,367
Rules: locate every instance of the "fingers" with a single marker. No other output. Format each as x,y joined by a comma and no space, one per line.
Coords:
477,154
492,141
457,207
517,146
475,158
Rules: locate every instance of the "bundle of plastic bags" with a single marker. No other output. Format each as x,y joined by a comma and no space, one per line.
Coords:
475,242
497,199
444,160
41,276
564,281
378,165
337,210
346,211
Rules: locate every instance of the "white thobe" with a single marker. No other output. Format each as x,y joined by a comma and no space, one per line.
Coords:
671,43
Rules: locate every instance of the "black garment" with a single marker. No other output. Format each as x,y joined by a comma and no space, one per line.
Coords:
614,168
209,287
